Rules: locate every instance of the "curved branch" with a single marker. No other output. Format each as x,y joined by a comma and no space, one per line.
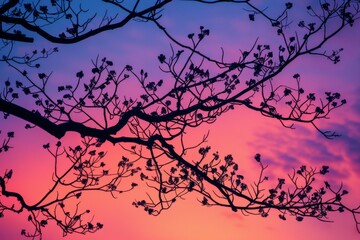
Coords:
39,31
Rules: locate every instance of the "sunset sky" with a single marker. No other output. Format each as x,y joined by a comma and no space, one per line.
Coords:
241,132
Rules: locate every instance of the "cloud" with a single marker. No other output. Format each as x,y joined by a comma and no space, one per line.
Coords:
286,149
349,142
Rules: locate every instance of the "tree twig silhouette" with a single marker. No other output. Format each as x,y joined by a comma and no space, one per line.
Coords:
18,18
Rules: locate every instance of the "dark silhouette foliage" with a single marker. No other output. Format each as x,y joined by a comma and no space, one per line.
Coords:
151,126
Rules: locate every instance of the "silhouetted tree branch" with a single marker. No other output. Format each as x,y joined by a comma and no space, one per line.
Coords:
18,18
150,126
86,171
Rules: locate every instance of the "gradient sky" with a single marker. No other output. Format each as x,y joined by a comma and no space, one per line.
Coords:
242,133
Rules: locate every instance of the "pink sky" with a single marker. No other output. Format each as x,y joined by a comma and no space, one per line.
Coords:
240,132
